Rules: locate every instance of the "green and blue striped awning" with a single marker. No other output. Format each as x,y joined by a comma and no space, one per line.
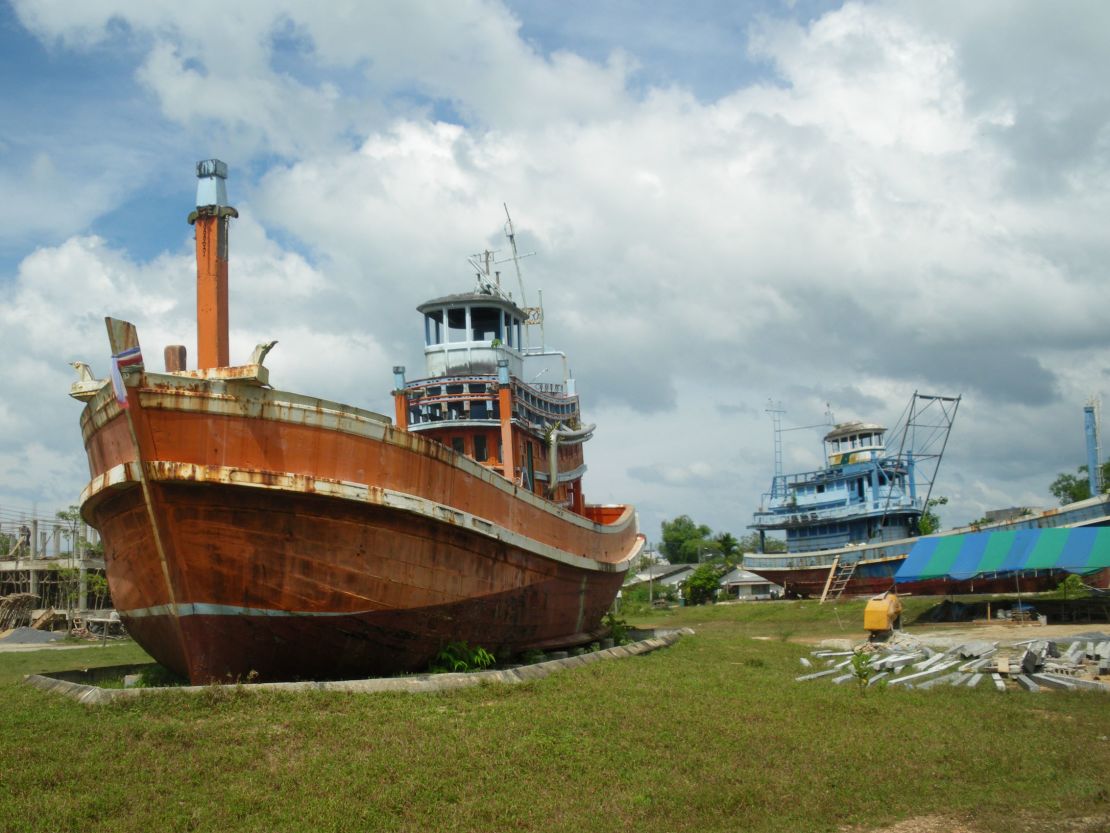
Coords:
1077,550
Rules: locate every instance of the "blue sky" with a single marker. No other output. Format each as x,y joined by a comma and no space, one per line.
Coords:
812,202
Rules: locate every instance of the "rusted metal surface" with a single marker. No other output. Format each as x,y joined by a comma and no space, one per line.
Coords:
287,584
174,355
165,472
222,422
301,537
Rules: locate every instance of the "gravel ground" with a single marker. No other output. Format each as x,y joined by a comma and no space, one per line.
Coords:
30,636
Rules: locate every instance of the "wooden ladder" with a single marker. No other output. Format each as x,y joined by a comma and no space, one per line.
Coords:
839,576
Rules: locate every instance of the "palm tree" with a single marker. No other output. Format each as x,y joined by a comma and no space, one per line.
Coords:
728,544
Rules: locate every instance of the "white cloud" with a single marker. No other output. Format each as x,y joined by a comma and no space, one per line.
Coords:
873,220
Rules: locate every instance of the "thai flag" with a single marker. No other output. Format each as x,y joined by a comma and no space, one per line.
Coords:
130,357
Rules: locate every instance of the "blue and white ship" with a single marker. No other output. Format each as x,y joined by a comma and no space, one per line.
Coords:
863,494
850,524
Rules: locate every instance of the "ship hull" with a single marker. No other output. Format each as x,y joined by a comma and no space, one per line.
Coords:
872,578
250,533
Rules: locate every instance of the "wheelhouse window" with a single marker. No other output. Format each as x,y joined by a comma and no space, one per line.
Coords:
458,444
456,324
485,324
481,452
433,327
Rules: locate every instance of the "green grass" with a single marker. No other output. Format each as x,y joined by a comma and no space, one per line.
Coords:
711,734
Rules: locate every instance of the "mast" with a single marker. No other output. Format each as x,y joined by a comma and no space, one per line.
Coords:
776,411
535,314
211,223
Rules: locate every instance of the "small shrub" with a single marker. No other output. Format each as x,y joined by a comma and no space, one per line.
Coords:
459,657
618,628
862,669
158,676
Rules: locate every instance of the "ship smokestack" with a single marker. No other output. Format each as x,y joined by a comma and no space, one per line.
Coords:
211,223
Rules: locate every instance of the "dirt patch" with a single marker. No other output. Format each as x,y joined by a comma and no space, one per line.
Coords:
948,824
920,824
1007,634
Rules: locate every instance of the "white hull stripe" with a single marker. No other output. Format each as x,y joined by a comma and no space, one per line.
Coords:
357,492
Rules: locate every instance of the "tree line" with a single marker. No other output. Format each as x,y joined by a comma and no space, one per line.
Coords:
1069,488
686,542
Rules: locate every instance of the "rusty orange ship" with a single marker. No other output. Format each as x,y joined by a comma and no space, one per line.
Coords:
250,531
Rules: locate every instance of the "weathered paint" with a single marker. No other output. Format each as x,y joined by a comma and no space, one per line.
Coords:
384,545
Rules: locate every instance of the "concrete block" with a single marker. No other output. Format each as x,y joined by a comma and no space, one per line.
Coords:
1026,683
936,669
946,678
976,648
1053,682
1030,662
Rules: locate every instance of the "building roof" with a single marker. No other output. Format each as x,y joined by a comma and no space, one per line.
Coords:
847,429
659,572
738,575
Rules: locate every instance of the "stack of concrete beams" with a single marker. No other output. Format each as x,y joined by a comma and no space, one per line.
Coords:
1035,665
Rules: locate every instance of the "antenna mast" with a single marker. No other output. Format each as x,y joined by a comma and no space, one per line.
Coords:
776,412
535,314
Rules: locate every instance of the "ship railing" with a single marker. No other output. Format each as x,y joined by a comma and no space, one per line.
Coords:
799,516
784,482
549,387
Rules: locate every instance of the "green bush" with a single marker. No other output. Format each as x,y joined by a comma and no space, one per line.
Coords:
618,628
459,657
1072,587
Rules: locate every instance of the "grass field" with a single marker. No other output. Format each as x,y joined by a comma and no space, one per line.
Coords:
711,734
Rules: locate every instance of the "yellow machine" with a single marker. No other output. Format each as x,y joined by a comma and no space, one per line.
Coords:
883,614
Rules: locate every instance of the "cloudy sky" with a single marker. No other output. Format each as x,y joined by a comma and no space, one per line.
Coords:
730,202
